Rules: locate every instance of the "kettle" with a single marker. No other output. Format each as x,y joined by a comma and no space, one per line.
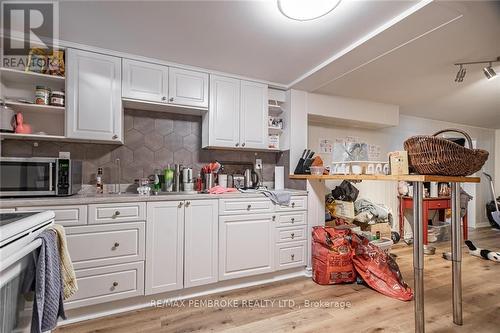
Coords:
6,118
251,179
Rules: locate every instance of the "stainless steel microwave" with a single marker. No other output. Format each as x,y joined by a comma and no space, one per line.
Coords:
39,176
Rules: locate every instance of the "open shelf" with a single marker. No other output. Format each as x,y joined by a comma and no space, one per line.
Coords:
274,109
40,137
23,107
15,75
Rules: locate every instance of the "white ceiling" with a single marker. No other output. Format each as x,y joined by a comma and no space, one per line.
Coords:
406,57
419,76
249,38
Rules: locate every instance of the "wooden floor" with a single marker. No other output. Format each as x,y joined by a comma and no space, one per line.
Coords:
369,310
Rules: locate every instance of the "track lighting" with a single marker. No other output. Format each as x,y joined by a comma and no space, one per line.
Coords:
488,71
460,74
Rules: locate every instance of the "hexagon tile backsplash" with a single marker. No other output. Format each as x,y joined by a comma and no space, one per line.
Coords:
152,140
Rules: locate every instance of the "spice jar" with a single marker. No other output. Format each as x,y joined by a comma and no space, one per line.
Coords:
57,98
42,95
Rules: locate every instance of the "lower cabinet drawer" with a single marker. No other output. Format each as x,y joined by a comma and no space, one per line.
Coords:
117,212
290,255
245,206
106,284
290,234
65,215
106,244
290,219
296,203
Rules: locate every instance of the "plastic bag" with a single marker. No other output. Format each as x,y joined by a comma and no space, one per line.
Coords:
379,270
345,192
332,255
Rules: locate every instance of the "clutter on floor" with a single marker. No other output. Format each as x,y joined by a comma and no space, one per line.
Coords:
340,255
485,254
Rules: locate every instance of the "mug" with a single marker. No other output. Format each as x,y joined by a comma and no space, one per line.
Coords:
378,169
370,169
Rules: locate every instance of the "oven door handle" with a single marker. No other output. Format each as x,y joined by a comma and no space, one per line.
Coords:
51,166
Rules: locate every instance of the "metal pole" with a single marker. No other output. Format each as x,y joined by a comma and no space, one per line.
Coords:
418,256
456,253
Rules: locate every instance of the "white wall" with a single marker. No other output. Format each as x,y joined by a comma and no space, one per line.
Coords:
497,162
350,111
392,138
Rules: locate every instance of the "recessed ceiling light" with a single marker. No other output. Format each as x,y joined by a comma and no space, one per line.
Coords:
305,10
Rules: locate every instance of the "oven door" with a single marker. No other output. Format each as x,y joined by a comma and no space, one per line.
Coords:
15,310
27,176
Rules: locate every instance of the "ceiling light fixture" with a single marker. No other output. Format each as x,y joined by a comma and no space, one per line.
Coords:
305,10
488,71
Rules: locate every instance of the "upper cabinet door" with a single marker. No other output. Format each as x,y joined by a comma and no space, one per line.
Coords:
94,109
224,112
188,88
253,115
145,81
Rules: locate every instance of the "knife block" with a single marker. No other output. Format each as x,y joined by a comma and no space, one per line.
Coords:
303,166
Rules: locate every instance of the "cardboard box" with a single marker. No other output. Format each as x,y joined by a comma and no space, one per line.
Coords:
399,162
383,228
344,209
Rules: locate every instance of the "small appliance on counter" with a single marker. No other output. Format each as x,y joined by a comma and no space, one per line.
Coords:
251,179
39,176
187,180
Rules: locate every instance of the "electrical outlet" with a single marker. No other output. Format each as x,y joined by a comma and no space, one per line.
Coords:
258,163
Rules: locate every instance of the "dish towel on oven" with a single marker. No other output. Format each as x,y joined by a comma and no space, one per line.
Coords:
70,287
47,285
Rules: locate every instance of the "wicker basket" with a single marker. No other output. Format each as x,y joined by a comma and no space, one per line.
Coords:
431,155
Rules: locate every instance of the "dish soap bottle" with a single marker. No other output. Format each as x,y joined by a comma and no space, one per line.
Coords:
99,183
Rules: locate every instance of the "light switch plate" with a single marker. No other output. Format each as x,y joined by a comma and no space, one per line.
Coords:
258,163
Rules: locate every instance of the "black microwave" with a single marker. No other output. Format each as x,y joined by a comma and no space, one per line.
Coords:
39,176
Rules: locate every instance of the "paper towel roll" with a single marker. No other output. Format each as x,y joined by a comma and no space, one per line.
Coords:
279,177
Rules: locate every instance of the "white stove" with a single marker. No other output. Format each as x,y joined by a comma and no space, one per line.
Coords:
18,232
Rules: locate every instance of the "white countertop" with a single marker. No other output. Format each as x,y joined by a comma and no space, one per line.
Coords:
92,198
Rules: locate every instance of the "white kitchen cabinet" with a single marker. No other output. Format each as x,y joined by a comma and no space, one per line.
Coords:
188,88
221,125
254,115
237,114
93,96
145,81
246,245
164,246
200,242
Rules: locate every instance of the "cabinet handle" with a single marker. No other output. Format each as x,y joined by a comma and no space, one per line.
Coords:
293,257
164,98
274,217
293,204
237,144
171,99
114,137
292,235
180,204
243,144
115,245
188,203
115,284
249,206
293,219
117,213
